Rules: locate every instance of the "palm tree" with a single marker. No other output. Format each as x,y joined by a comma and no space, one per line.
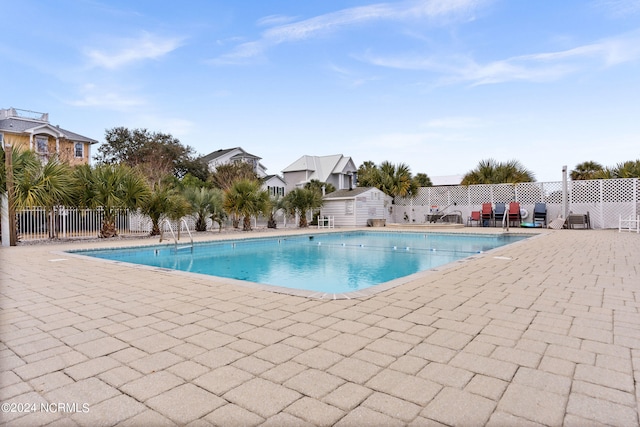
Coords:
41,185
246,198
492,172
586,170
394,180
316,185
111,187
628,169
204,202
301,200
164,202
397,180
277,203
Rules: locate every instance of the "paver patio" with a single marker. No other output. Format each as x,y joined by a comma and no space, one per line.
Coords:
544,332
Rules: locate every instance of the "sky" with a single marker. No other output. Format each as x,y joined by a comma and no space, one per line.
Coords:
436,84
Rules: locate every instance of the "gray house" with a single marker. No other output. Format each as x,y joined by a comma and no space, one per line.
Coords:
336,169
354,208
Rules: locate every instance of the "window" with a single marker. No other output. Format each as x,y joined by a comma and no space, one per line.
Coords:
2,140
42,144
79,149
348,207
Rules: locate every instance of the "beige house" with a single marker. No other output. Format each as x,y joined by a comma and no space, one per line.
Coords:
31,130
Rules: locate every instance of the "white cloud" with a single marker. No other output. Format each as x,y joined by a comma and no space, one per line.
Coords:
540,67
618,8
334,21
113,99
126,51
272,20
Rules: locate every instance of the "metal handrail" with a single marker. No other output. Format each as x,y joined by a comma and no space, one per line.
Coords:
175,240
183,221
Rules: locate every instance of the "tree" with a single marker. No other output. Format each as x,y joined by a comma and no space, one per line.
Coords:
36,184
368,174
422,180
586,170
300,201
492,172
156,154
394,180
277,203
204,203
111,187
397,180
246,198
317,185
628,169
227,174
164,202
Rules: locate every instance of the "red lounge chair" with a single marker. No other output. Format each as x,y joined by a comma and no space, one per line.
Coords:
514,213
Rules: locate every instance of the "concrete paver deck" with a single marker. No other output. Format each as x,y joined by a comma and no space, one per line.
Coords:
543,332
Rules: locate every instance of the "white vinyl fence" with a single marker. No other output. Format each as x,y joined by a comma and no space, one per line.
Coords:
605,200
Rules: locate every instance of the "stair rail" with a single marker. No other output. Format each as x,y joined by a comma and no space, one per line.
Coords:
175,239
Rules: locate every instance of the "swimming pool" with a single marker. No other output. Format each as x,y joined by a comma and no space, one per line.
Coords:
335,263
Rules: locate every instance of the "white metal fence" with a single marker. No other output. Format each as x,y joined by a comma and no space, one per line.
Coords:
38,223
605,200
65,223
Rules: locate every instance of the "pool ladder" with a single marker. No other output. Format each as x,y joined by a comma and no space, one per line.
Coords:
175,240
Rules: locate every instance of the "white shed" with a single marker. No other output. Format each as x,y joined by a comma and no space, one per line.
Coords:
355,207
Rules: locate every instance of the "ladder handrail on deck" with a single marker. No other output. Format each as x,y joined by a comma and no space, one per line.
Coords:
175,240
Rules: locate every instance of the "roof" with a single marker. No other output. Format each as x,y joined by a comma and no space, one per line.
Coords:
219,153
346,193
321,166
19,125
269,177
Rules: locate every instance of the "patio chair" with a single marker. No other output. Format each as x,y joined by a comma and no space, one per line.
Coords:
514,213
498,213
582,220
540,213
475,216
486,214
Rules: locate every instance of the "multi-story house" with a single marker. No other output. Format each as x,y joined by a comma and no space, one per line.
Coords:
274,184
31,130
336,169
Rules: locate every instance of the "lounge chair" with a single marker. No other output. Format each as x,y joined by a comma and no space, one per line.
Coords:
475,216
540,213
582,220
498,213
514,213
487,214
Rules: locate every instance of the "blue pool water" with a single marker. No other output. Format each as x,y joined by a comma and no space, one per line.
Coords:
330,262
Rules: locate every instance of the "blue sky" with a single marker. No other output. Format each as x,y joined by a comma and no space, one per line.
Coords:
436,84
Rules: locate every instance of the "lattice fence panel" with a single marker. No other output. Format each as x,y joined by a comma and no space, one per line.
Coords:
504,193
620,197
604,200
479,194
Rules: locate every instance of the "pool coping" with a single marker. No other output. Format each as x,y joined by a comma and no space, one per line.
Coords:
359,294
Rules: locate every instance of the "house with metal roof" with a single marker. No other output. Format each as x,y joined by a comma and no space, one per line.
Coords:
234,155
335,169
274,184
31,130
